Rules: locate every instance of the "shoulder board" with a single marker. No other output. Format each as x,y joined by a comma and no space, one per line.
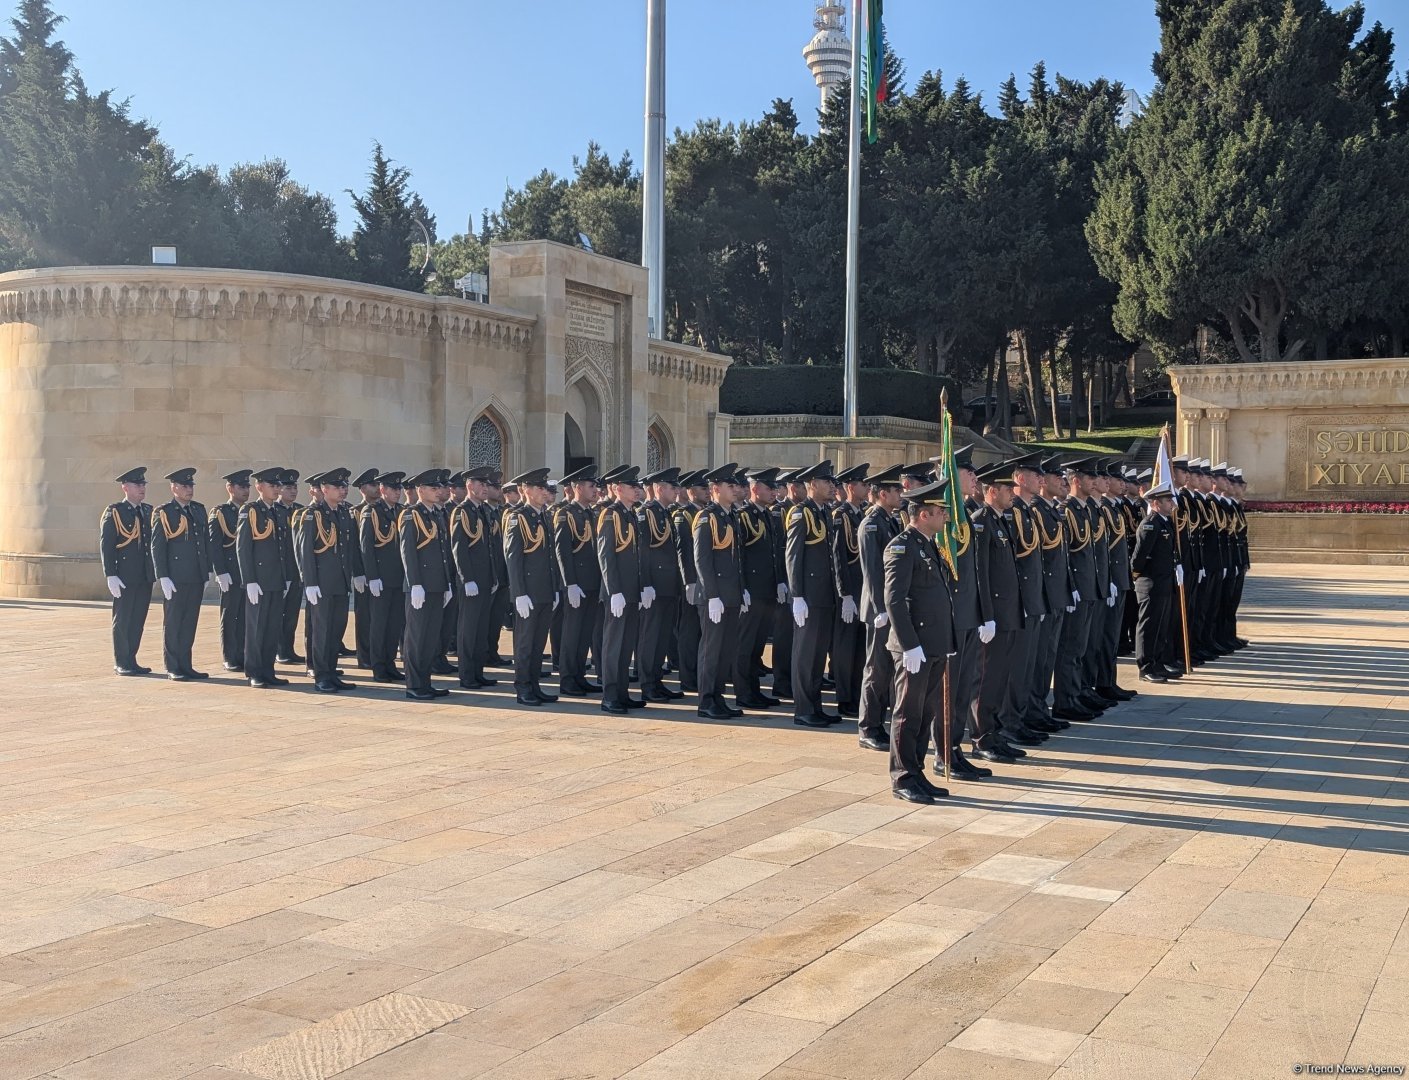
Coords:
896,546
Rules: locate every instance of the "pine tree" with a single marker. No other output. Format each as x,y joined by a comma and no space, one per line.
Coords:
386,228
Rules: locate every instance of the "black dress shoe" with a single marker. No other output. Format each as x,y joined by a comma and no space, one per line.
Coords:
327,686
234,667
546,698
440,667
958,757
714,713
830,717
635,703
529,699
1022,738
784,691
1005,747
913,793
1173,673
127,671
614,708
388,679
875,742
486,683
1081,715
469,684
1093,703
750,703
769,702
343,684
141,670
960,769
1047,727
663,697
276,681
995,755
734,714
420,695
177,676
592,687
849,712
293,659
1104,693
812,720
260,684
197,675
689,688
1153,676
346,652
440,691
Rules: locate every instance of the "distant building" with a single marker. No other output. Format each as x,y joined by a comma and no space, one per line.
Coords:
828,54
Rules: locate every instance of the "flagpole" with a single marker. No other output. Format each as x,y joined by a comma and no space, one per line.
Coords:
853,229
1165,438
653,173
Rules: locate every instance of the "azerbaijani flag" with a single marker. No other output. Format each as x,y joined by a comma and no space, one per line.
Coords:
952,498
874,67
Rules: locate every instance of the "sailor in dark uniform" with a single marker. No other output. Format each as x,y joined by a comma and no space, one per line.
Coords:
848,632
181,562
918,605
427,582
722,592
766,581
370,491
386,578
879,527
323,545
660,572
618,539
293,590
1157,572
259,550
224,520
533,583
812,586
125,547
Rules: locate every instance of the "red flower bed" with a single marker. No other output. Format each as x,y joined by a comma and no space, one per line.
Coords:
1254,506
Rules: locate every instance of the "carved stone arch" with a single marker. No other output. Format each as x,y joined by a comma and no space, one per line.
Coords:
501,417
589,406
591,362
660,445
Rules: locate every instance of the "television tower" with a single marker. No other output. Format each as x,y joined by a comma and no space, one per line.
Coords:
828,54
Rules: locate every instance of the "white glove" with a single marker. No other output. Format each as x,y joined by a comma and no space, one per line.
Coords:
1071,609
1202,574
287,586
716,610
1075,598
1042,617
168,587
799,611
648,596
224,581
618,605
313,594
1114,591
748,600
692,594
912,659
1225,572
881,621
374,586
418,596
1110,601
557,599
848,610
575,596
115,586
445,597
254,592
524,606
359,583
782,593
987,631
472,588
1179,576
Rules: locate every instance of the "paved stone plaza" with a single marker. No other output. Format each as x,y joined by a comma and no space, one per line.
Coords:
204,880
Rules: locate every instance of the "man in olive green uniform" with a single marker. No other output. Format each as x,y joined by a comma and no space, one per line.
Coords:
381,560
181,562
427,578
575,550
812,586
533,583
224,520
683,519
259,551
879,527
323,546
722,593
289,506
622,592
848,632
765,579
125,547
370,491
471,550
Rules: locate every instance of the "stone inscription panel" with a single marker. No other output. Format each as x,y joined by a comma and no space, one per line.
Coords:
1348,455
591,318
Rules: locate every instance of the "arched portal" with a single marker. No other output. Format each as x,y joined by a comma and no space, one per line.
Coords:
582,426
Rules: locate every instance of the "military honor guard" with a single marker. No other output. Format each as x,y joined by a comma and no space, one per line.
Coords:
580,573
879,527
125,550
761,567
472,552
1057,588
1024,532
722,593
182,564
918,605
427,577
1157,573
970,616
783,624
533,583
1001,600
1071,701
259,553
682,520
622,592
1118,586
660,573
324,542
385,601
370,492
223,521
501,613
812,586
848,632
293,593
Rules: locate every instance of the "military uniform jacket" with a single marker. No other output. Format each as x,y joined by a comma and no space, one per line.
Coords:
1076,519
1052,539
377,541
682,518
494,522
575,548
918,596
323,546
997,569
422,551
1154,560
809,555
846,550
349,517
528,555
716,544
1117,541
972,607
1100,550
471,547
758,553
780,513
619,552
660,562
878,528
289,512
1186,520
125,543
1021,522
259,547
224,528
180,544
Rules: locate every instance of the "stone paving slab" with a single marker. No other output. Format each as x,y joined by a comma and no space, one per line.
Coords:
202,880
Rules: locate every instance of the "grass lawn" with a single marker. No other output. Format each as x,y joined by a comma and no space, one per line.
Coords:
1108,441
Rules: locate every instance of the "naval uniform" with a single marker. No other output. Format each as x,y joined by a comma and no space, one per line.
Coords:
180,552
323,546
424,564
224,523
811,577
470,550
878,528
716,549
386,614
125,546
660,571
259,551
1152,566
919,605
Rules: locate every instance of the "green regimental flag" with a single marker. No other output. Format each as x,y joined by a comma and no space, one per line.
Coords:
874,66
953,502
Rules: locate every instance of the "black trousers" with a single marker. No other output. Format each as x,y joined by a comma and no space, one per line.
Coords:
1152,627
307,632
998,668
471,616
1182,603
181,614
1131,609
619,636
1095,636
423,631
1071,655
918,700
718,650
129,620
783,650
878,683
362,627
449,623
754,625
657,625
810,642
579,627
1019,692
329,620
500,614
1110,643
264,622
530,636
1048,631
232,624
1207,607
848,660
555,635
965,678
386,624
291,602
688,632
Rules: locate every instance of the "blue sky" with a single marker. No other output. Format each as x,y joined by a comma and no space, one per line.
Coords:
474,94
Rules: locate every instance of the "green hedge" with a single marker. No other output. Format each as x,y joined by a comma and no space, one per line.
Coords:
817,391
